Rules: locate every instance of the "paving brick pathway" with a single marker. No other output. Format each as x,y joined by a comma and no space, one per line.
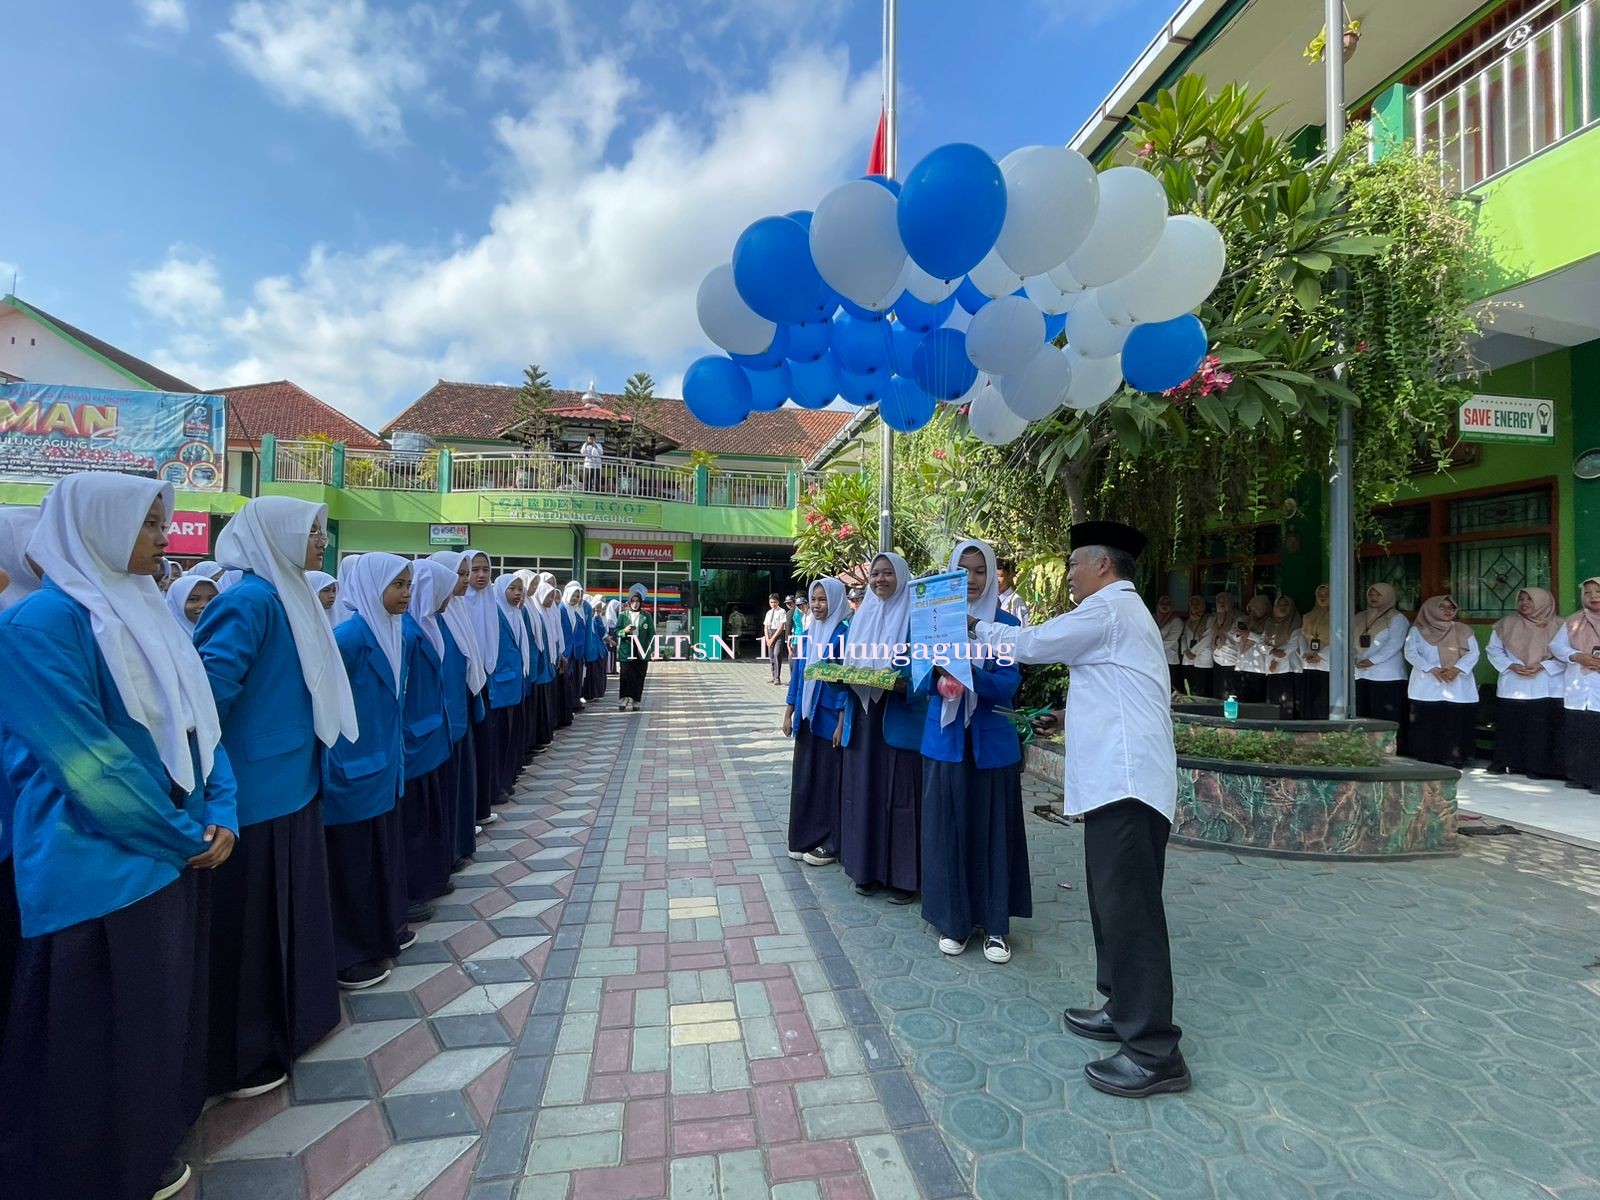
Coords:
634,994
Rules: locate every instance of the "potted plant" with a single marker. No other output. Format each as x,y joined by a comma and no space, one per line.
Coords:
1350,38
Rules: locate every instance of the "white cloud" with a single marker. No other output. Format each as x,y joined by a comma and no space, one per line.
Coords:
354,62
165,14
184,289
8,272
587,255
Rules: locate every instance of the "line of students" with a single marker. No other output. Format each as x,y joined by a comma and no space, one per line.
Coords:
218,807
918,789
1420,676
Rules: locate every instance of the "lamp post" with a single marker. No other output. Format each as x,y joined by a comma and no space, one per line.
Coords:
1341,485
891,150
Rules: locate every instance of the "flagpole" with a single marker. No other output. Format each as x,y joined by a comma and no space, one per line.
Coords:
891,154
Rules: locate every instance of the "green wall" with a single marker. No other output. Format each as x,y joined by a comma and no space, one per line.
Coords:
1585,493
1539,216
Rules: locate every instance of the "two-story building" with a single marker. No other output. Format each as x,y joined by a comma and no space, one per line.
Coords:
1507,95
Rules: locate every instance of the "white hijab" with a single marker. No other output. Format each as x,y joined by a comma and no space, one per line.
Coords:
82,542
16,527
431,585
268,537
459,620
819,634
319,582
178,595
880,623
480,609
364,584
513,616
547,619
984,609
341,611
557,631
613,610
206,570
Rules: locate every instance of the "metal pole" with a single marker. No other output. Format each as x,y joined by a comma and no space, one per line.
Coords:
1341,487
891,154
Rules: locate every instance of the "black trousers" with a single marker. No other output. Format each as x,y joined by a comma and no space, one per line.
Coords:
776,653
1124,854
632,682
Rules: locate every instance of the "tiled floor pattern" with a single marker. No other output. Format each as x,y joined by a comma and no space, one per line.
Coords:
637,995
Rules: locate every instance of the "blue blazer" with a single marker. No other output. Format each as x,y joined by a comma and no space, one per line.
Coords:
597,633
533,652
903,719
505,685
541,666
828,700
98,826
244,640
427,732
362,779
994,737
458,701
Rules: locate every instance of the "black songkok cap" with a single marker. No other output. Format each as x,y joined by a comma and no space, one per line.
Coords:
1112,534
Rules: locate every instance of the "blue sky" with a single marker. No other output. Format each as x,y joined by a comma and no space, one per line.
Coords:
365,196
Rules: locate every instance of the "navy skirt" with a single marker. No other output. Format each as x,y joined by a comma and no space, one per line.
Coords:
549,708
486,735
429,829
367,884
880,806
104,1070
814,792
10,937
594,679
273,989
974,848
464,796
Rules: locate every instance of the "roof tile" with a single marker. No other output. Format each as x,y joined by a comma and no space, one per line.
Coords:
287,410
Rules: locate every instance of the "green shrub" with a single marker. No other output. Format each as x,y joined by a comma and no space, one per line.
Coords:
1264,746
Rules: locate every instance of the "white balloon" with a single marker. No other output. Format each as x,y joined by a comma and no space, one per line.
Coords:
1064,279
924,286
727,319
1042,290
1040,387
1109,298
1127,228
1094,380
990,420
993,278
1052,196
1091,333
1004,334
855,241
1184,269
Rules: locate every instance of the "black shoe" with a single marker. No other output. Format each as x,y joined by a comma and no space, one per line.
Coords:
449,886
363,975
259,1082
419,912
173,1180
1091,1023
1574,785
1119,1075
406,938
461,864
868,889
901,896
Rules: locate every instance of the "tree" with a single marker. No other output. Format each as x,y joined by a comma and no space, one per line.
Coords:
639,398
531,423
837,525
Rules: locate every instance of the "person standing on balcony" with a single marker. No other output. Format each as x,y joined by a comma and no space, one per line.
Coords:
283,695
1122,777
775,635
593,460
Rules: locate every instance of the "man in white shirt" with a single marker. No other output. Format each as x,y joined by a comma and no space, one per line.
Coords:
1005,574
1122,775
775,634
593,457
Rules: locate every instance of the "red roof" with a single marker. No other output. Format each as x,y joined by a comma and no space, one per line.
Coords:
482,411
287,410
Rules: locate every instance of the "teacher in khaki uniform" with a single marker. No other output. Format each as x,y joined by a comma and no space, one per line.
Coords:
1122,776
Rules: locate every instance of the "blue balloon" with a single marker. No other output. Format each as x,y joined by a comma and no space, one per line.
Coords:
814,384
827,303
768,389
969,297
903,344
802,215
1160,356
773,271
716,391
769,359
952,206
864,390
859,313
861,347
941,367
809,340
923,318
1053,326
907,407
884,181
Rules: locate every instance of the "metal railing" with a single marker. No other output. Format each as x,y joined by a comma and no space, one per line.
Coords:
749,489
1541,88
532,471
392,470
304,462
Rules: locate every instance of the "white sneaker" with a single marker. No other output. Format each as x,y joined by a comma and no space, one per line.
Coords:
254,1090
818,858
408,939
797,855
173,1181
489,820
996,950
951,946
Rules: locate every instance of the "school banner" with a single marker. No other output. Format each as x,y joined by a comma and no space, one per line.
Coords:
48,430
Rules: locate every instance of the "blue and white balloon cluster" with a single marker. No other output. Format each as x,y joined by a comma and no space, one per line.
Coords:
952,286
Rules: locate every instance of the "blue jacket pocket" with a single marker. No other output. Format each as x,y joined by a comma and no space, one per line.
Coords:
273,742
360,768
